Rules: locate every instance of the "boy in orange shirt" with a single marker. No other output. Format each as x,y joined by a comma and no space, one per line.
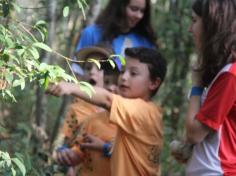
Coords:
92,162
80,110
139,137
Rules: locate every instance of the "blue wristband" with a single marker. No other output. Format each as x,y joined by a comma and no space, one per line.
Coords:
106,149
63,147
196,91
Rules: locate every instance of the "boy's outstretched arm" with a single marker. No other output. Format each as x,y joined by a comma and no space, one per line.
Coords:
101,97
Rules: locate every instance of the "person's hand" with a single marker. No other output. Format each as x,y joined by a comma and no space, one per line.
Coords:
92,142
67,157
181,151
71,171
62,88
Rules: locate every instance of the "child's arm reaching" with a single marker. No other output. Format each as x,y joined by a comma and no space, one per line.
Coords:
101,97
92,142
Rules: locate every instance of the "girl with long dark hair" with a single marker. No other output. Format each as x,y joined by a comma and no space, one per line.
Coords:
211,118
122,24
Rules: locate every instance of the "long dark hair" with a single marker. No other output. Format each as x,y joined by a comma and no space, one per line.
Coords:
113,19
218,35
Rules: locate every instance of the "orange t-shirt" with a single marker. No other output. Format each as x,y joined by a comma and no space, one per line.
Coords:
77,113
94,163
139,139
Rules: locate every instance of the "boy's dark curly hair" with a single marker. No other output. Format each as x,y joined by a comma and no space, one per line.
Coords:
156,63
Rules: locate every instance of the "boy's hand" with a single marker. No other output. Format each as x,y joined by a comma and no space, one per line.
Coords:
92,142
67,157
62,88
71,171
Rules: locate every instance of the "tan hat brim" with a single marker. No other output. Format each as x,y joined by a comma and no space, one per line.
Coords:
83,53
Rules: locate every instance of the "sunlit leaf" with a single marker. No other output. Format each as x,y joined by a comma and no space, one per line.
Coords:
34,52
41,33
9,77
87,88
13,171
16,83
22,85
16,7
121,58
42,46
112,63
95,61
82,8
66,11
20,165
40,22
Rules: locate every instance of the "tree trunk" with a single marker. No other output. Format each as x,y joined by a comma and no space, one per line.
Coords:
41,100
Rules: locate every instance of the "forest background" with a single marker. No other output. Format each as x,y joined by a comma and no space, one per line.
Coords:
28,127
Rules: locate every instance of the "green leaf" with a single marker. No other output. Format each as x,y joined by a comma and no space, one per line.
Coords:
22,85
87,88
46,80
13,57
41,33
16,82
34,52
85,3
121,58
20,165
42,46
96,62
16,7
82,8
40,23
10,42
66,11
20,52
13,171
112,63
9,77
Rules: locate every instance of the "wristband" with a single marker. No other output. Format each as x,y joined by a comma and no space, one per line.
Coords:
63,147
106,149
196,91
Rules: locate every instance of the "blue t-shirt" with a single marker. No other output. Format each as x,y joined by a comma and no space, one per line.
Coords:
92,35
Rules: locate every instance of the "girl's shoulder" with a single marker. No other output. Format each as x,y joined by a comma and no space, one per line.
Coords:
141,40
92,28
231,68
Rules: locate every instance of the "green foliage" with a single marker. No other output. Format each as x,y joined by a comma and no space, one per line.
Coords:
81,3
8,165
20,52
121,58
173,19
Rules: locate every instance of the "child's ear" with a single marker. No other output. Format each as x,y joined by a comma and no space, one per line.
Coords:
155,84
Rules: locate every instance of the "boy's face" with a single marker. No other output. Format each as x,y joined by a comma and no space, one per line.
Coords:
92,74
110,82
134,81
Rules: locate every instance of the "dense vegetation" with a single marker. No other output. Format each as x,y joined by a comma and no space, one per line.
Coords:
36,34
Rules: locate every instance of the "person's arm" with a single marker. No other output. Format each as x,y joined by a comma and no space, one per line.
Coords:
92,142
220,99
195,130
101,97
